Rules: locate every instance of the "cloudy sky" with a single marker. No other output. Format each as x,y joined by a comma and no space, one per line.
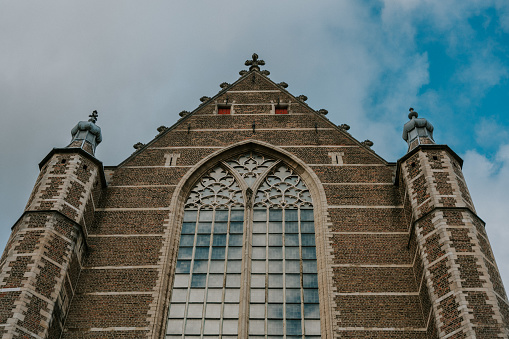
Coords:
366,62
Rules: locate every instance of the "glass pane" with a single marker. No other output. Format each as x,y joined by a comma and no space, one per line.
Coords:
275,311
292,253
258,280
235,253
185,253
188,227
198,280
220,228
257,295
195,311
201,253
275,280
291,215
310,280
293,311
215,280
275,295
179,295
235,240
177,310
276,240
233,280
275,215
258,266
275,326
200,266
237,215
275,227
306,215
275,266
214,295
260,215
230,326
233,266
291,227
232,295
190,215
291,240
257,327
310,295
181,280
211,327
275,253
292,295
260,227
259,240
312,327
257,311
205,215
308,253
259,253
293,327
175,326
183,266
311,311
193,327
217,266
221,216
187,240
231,311
219,240
203,240
292,280
308,240
204,227
309,266
236,227
197,295
307,227
292,266
218,253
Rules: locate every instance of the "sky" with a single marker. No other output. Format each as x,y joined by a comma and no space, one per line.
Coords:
140,63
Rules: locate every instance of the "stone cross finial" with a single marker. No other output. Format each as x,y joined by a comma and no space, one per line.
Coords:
93,117
254,63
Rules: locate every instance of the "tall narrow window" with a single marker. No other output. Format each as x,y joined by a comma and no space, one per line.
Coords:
281,272
206,289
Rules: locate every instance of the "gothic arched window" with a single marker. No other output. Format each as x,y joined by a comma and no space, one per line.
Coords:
248,226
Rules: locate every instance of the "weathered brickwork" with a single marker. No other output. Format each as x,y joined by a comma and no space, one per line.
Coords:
400,252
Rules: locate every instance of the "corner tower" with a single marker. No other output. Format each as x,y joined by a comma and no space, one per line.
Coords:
461,289
41,263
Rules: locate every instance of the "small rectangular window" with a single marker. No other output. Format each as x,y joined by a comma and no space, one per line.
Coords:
223,110
281,110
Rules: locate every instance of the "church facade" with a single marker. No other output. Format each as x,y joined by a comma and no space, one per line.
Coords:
253,216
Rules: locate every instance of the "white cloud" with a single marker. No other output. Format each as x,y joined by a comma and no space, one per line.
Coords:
488,183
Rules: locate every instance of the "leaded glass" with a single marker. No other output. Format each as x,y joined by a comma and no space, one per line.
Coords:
281,268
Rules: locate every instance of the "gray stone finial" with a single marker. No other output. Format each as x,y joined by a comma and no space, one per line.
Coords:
243,72
417,131
254,63
223,85
367,143
344,127
204,98
322,111
184,113
283,84
161,129
302,97
265,72
138,145
86,134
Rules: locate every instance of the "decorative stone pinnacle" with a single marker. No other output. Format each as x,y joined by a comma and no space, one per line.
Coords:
183,113
224,85
93,117
412,114
283,84
138,145
302,97
322,111
344,127
204,98
367,143
254,63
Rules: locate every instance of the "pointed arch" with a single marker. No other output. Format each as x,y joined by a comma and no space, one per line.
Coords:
184,189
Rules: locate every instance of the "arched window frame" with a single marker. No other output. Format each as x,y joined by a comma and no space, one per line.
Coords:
322,232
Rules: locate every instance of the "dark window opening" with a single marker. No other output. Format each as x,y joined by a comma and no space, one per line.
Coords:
281,109
223,110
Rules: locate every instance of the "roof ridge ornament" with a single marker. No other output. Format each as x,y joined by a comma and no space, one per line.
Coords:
254,65
93,117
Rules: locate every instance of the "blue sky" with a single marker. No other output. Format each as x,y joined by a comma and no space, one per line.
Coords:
366,62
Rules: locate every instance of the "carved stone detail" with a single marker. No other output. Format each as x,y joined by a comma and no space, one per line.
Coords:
250,166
